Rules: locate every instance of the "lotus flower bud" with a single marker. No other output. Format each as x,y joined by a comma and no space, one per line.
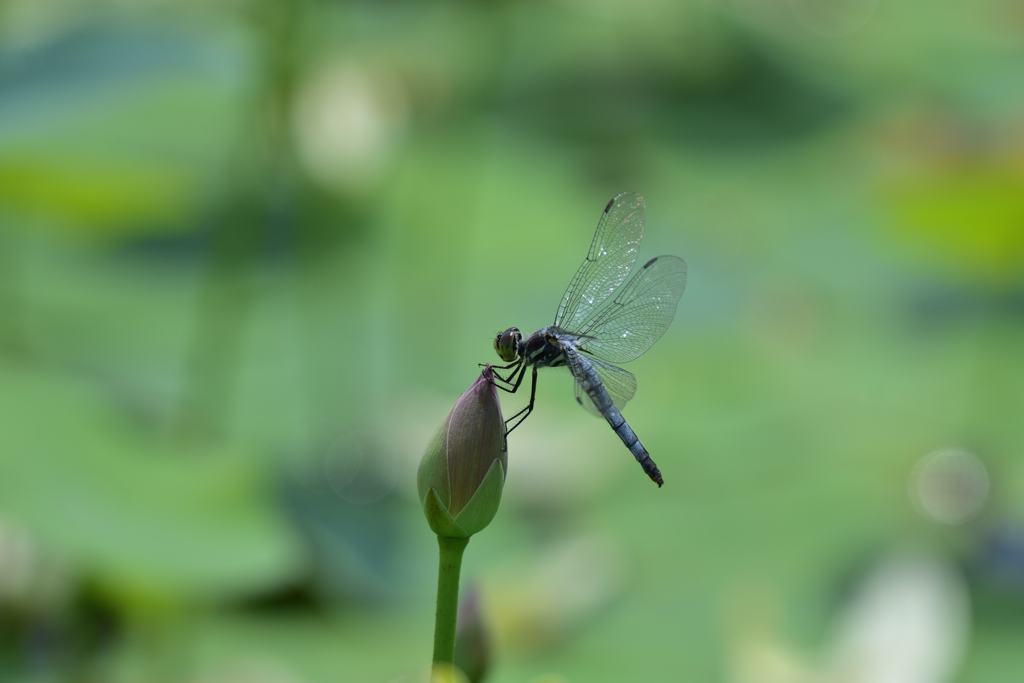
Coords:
472,638
463,470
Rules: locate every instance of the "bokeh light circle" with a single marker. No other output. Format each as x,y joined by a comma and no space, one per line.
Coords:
348,122
949,486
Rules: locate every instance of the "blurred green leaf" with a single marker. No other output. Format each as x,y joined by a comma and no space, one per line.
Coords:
148,520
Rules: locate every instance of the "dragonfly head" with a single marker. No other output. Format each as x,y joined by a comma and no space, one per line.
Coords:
507,344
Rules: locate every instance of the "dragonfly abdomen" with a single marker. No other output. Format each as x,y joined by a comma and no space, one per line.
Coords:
599,395
632,442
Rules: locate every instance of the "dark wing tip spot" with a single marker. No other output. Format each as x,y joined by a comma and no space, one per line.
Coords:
651,261
579,400
610,202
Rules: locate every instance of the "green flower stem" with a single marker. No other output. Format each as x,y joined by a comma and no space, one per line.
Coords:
447,597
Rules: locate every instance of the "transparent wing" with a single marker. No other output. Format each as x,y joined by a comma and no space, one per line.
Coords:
620,384
639,314
612,254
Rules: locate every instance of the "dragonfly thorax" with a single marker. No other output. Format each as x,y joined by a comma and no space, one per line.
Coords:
508,344
546,347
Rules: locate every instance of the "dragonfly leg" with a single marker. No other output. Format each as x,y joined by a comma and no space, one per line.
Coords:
502,367
525,412
521,369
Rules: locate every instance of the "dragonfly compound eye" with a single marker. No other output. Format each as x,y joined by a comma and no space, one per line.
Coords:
507,344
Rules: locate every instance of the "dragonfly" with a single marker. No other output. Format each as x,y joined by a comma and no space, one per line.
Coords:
594,329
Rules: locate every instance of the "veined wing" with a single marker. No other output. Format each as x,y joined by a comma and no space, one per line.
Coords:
620,384
612,254
639,314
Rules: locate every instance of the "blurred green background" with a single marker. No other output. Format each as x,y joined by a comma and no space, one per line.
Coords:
251,251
